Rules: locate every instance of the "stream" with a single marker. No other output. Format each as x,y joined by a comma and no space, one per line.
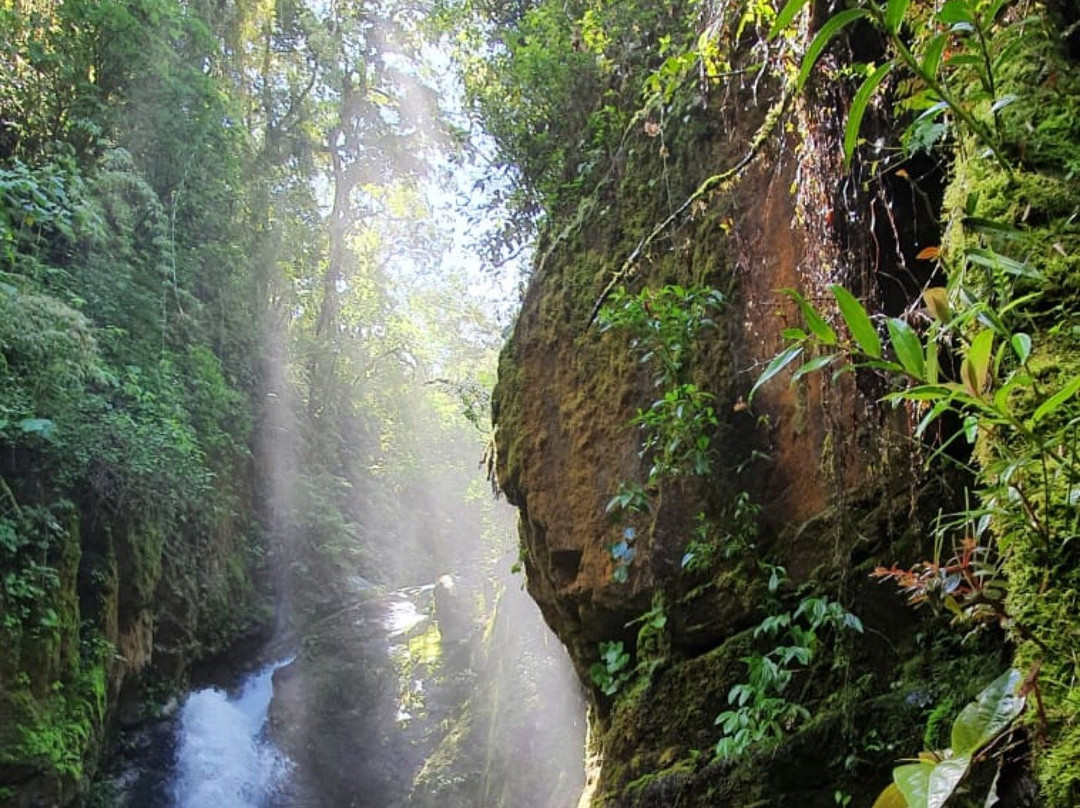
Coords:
395,699
223,759
212,753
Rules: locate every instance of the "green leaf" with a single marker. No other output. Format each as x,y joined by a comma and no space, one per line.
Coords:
786,17
928,785
1021,345
992,227
933,365
814,321
813,366
894,14
858,108
1002,102
831,28
932,55
858,322
995,260
955,11
907,346
935,412
922,392
993,710
971,429
1055,401
779,362
979,355
937,302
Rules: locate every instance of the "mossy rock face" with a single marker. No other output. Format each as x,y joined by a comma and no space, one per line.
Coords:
842,491
1040,198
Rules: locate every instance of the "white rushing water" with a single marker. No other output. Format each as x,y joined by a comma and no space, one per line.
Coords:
223,759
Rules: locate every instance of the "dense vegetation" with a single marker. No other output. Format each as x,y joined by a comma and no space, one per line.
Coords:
934,177
229,352
212,398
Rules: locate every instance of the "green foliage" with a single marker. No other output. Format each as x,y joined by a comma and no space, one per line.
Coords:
991,351
970,30
663,325
930,782
994,391
760,713
124,423
730,536
564,90
677,428
613,670
623,553
652,644
31,541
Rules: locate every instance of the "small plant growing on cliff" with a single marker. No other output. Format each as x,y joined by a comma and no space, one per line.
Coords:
760,712
969,584
932,779
624,553
663,325
613,670
676,428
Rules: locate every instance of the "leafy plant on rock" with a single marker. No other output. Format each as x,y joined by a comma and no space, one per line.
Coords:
932,779
760,712
677,428
613,670
951,54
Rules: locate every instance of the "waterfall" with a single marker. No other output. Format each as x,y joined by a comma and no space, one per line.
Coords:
223,758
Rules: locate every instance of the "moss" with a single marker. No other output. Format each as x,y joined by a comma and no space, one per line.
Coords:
60,731
1041,200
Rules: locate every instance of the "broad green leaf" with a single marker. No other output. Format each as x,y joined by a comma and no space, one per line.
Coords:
932,56
814,365
779,362
858,108
891,797
993,710
814,321
955,11
1060,397
831,28
978,355
894,14
908,347
922,392
858,322
786,17
1021,345
928,784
